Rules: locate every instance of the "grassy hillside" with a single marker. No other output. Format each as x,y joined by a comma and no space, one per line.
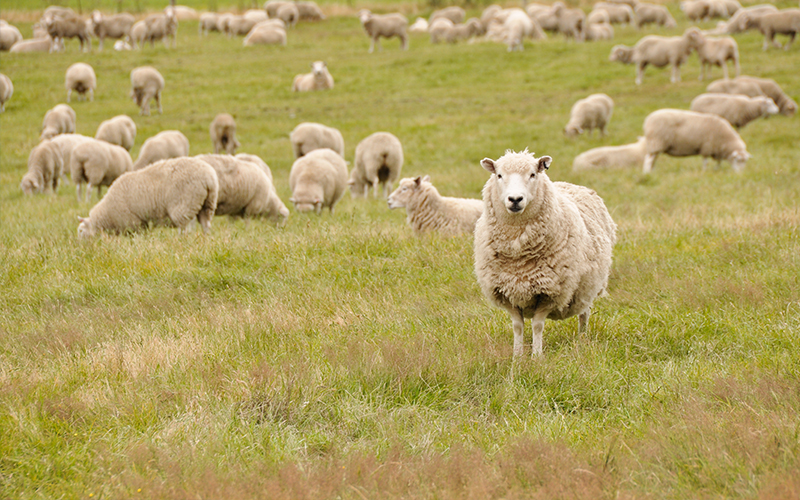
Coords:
344,357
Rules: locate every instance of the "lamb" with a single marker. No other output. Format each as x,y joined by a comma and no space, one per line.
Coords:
146,83
163,145
783,22
175,191
288,13
602,31
420,26
68,27
310,11
97,163
162,26
655,50
453,13
307,137
686,133
45,165
648,13
771,89
617,13
120,130
266,34
590,113
439,29
739,110
58,120
6,91
428,211
379,160
386,26
318,180
714,51
80,77
38,45
223,134
318,79
9,35
208,22
627,155
542,249
114,27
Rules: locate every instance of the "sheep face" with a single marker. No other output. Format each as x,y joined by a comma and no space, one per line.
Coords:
97,17
85,228
516,177
304,203
318,68
738,160
364,16
768,106
406,191
29,185
621,53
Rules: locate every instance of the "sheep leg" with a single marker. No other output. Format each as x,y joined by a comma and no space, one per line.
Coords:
705,163
789,43
649,160
145,106
538,332
69,94
639,73
372,46
158,101
91,95
676,74
518,325
366,190
735,66
583,321
404,40
78,191
88,192
99,191
725,69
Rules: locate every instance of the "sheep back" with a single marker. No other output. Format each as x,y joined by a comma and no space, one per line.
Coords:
318,180
309,136
166,144
119,130
428,211
379,160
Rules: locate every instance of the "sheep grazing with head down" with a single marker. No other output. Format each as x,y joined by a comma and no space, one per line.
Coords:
120,130
428,211
146,83
379,160
97,163
318,79
116,27
592,112
80,77
739,110
307,137
771,89
648,13
45,165
542,248
58,120
386,26
223,134
318,180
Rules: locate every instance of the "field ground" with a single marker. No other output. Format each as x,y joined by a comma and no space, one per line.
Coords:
344,357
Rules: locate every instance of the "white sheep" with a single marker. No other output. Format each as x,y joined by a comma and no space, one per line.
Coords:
257,15
421,25
685,133
739,110
379,160
657,51
146,83
310,11
266,34
115,27
6,91
288,13
386,26
58,120
239,25
80,77
138,34
66,143
465,31
9,35
272,7
598,16
542,249
166,144
714,52
453,13
308,136
570,21
121,45
175,191
627,155
601,31
318,79
184,13
69,26
592,112
771,89
97,163
208,22
45,166
743,20
735,86
119,130
428,211
439,28
162,26
318,180
648,13
617,13
223,134
258,161
783,22
37,45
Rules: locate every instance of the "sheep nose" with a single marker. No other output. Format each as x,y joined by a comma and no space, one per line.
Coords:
515,200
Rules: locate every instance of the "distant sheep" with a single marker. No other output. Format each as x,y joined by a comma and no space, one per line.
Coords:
735,86
464,31
627,155
617,13
184,13
68,27
783,22
9,35
223,134
318,79
208,22
115,27
602,31
80,77
307,137
318,180
58,120
439,28
272,7
97,163
421,25
239,25
743,20
379,160
570,21
288,13
66,143
386,26
163,145
146,83
771,89
592,112
310,11
266,34
162,27
453,13
714,52
45,165
119,130
6,91
657,51
648,13
138,34
739,110
37,45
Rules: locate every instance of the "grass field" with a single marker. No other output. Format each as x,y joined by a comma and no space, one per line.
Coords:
344,357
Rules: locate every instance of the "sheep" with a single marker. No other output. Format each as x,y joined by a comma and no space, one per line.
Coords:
686,133
138,34
163,145
119,130
570,21
627,155
58,120
80,77
45,165
453,13
439,28
512,26
258,161
146,83
783,22
590,113
602,31
208,22
386,26
428,211
162,26
310,11
288,13
68,27
598,16
9,35
696,10
648,13
176,190
114,27
57,12
379,160
318,180
307,137
617,13
6,91
272,7
545,17
655,50
469,29
743,20
223,134
97,163
714,51
735,86
771,89
239,25
38,45
66,143
266,34
184,13
121,45
420,26
542,249
318,79
739,110
488,15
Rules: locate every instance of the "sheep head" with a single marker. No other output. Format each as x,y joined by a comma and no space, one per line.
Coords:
406,191
85,228
318,68
516,176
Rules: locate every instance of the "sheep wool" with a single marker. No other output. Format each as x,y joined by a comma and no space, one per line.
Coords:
738,110
80,77
308,136
163,145
146,83
379,160
590,113
119,130
97,163
428,211
771,89
318,180
58,120
627,155
6,91
45,165
384,26
223,134
318,79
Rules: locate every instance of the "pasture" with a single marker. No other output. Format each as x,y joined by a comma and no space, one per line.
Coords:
342,356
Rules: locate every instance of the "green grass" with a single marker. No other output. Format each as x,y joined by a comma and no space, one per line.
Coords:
344,357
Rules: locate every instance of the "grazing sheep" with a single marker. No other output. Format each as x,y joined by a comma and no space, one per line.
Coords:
318,180
657,51
739,110
602,31
428,211
627,155
6,91
783,22
80,77
648,13
97,163
146,83
453,13
9,35
120,130
542,248
162,26
512,26
58,120
38,45
163,145
544,16
685,133
439,29
590,113
735,86
223,134
420,26
598,16
45,165
120,45
208,23
714,52
68,27
489,14
743,20
386,26
177,190
266,34
272,7
771,89
310,11
307,137
379,160
318,79
696,10
258,161
570,21
617,13
66,143
288,13
115,27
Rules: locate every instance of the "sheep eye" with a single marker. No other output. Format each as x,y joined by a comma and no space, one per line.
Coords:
533,175
499,176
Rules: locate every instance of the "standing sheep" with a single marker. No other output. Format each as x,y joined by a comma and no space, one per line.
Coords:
177,190
163,145
627,155
453,13
600,31
318,79
617,13
58,120
657,51
138,34
386,26
68,27
379,160
648,13
783,22
120,130
739,110
307,137
570,21
318,180
80,77
542,249
288,13
208,22
162,26
146,83
714,52
97,163
771,89
223,134
439,28
45,165
309,11
6,91
735,86
116,27
590,113
66,143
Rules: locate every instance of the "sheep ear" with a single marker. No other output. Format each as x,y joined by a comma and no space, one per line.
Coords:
427,178
351,182
81,219
291,200
488,164
544,163
417,180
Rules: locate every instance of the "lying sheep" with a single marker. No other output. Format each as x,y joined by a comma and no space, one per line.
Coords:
97,163
686,133
783,22
266,34
603,31
771,89
162,27
307,137
386,26
590,113
6,91
627,155
66,143
657,51
739,110
453,13
310,11
120,130
318,79
420,26
223,134
163,145
58,120
288,13
115,27
9,35
239,25
439,28
542,249
184,13
45,165
208,23
38,45
68,27
80,77
617,13
177,191
648,13
121,45
428,211
379,160
714,52
318,180
146,83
